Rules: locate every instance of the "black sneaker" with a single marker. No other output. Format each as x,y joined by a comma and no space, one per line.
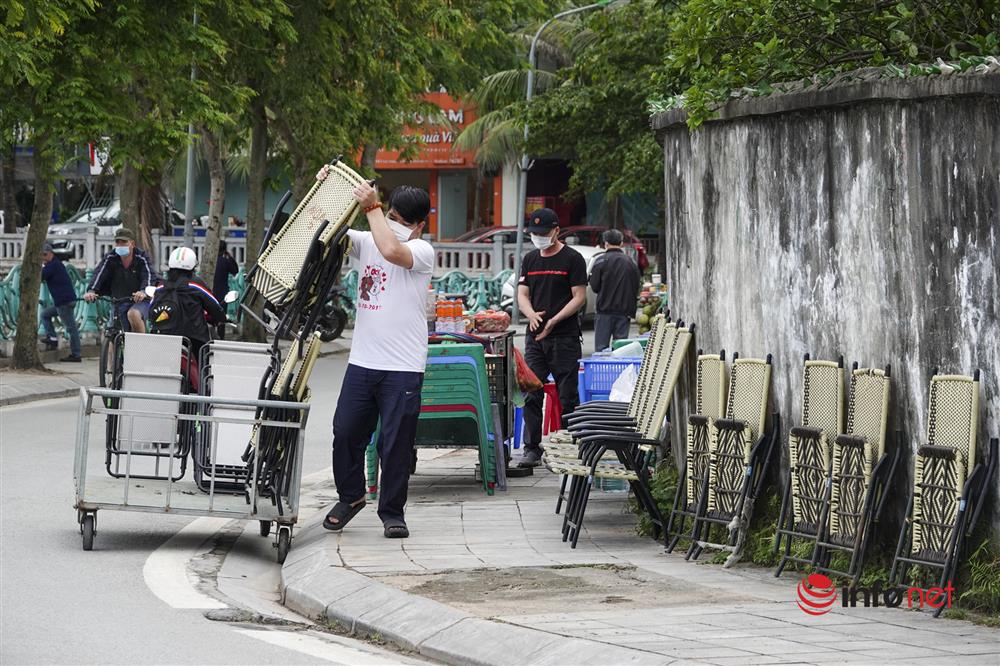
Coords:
70,359
531,457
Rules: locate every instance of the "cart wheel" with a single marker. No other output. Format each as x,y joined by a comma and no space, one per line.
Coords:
87,529
413,462
284,544
265,527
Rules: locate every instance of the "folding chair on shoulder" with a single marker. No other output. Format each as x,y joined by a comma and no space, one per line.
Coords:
740,450
710,404
949,486
301,258
810,448
636,449
860,476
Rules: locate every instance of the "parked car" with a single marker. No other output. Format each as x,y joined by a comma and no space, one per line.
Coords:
590,254
584,235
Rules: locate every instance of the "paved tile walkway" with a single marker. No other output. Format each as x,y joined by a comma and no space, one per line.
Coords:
503,558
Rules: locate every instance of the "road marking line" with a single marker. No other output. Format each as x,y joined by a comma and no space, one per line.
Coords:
165,570
318,648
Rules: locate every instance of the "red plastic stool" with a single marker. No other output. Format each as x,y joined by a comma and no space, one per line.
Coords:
552,410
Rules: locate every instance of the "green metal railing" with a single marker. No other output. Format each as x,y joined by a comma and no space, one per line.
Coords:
481,293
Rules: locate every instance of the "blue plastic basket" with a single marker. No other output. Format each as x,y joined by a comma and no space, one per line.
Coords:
597,375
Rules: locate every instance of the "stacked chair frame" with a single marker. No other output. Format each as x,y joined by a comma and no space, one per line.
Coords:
860,475
635,445
950,486
710,403
810,456
741,447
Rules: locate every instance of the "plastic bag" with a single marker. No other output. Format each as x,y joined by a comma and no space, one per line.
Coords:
527,380
621,390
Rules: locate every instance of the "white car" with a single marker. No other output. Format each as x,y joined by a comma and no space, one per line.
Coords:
590,254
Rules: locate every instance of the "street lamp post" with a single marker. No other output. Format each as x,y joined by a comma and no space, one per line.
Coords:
522,185
189,176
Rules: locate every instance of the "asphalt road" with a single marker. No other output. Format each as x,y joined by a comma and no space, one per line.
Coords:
124,602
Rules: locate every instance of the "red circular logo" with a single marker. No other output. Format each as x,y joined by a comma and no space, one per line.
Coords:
816,594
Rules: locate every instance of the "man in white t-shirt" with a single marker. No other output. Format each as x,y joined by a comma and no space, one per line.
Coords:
388,354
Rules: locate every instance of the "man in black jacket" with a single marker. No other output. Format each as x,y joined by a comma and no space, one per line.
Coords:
125,273
615,279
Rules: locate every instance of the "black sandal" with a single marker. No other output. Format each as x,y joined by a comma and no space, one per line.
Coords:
343,512
395,529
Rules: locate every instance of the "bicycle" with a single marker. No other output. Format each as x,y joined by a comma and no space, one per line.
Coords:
110,349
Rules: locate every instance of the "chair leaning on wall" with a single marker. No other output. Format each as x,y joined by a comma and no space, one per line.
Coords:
862,470
710,404
810,448
949,486
740,450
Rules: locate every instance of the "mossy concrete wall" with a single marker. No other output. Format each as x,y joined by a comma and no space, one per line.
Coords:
861,220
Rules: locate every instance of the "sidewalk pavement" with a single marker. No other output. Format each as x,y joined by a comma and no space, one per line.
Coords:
488,580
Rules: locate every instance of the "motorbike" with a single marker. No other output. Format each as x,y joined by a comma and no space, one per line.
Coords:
335,314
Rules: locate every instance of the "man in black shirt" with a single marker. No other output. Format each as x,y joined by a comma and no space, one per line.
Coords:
551,290
616,281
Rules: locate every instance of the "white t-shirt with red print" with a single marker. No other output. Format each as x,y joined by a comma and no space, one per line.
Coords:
390,329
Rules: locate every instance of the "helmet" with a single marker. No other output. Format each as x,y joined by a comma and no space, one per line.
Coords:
183,258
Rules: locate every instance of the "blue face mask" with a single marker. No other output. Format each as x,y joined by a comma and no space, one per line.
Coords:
122,251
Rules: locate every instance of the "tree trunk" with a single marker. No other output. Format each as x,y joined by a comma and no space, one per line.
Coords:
26,340
130,198
302,179
478,200
9,202
252,331
368,158
212,145
151,216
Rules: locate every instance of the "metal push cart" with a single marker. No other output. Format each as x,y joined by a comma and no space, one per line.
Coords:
131,472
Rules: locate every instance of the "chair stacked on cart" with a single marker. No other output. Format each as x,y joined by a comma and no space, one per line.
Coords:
455,409
272,454
950,486
301,258
234,370
148,445
635,440
740,448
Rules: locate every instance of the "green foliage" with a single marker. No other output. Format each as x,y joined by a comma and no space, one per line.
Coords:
979,580
663,485
722,46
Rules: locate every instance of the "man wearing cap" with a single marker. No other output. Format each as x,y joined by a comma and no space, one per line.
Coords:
125,273
551,290
64,302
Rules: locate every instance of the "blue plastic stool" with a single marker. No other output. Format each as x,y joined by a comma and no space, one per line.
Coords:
518,427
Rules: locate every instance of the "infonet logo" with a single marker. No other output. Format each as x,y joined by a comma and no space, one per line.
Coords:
817,595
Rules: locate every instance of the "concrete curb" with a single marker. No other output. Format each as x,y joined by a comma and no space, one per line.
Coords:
315,583
35,397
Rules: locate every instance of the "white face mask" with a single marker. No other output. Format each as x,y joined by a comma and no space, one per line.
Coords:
541,241
402,232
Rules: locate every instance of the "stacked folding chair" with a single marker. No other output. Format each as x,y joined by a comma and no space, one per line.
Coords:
949,486
859,478
635,442
455,410
739,452
710,404
234,370
300,260
272,452
810,452
148,447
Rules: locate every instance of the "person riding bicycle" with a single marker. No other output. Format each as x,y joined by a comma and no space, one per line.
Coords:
124,273
182,302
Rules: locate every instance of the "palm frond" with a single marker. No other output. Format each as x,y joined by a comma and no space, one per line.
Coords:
503,146
476,132
508,87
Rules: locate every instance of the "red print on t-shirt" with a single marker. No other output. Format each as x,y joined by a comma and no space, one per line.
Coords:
373,282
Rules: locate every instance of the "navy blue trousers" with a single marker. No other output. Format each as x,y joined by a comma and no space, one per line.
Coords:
365,397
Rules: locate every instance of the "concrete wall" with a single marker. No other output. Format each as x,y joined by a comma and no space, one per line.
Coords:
862,220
